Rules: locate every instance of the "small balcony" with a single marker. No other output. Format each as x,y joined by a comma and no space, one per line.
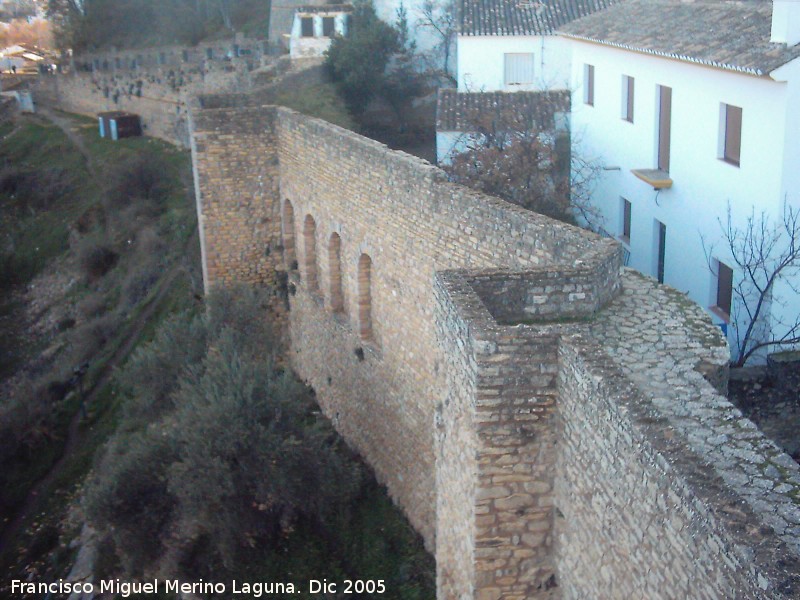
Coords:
657,178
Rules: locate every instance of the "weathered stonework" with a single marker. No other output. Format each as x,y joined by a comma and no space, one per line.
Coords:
158,83
549,423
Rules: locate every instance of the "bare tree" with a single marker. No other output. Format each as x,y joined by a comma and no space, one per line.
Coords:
439,16
517,147
765,254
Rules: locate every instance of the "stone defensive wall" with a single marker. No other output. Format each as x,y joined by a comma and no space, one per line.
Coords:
158,84
551,423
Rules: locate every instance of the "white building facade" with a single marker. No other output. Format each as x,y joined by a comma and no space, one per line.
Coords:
511,46
314,27
686,136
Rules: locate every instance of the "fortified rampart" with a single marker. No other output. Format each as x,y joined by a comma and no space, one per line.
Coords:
550,423
158,83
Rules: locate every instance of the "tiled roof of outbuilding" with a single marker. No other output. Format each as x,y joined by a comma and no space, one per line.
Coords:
325,8
728,34
457,111
523,17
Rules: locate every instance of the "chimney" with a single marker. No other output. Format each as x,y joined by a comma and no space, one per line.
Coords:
785,22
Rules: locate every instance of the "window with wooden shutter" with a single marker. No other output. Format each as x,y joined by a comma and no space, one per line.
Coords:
588,84
518,68
724,288
733,134
664,126
627,98
328,28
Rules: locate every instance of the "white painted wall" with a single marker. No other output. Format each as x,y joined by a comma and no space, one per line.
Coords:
481,62
313,47
703,185
423,36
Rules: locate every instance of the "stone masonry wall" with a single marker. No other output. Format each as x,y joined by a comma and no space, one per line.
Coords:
639,514
158,84
550,424
235,163
411,222
496,444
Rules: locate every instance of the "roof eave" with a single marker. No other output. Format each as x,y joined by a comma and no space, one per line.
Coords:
680,57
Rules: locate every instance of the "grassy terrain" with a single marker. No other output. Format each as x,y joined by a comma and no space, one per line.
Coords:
46,230
150,239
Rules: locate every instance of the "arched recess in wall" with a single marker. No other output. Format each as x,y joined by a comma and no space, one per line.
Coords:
365,297
335,270
288,235
310,247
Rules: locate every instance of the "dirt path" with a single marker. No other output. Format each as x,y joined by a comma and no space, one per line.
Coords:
68,127
74,434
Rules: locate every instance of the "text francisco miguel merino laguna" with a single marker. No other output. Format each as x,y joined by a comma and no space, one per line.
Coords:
157,586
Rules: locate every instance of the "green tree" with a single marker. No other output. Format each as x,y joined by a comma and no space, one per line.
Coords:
402,82
234,453
358,61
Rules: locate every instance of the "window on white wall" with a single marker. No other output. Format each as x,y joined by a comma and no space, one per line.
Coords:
328,26
724,295
307,27
588,84
518,68
664,126
730,133
627,98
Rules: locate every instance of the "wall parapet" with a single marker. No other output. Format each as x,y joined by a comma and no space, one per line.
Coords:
549,422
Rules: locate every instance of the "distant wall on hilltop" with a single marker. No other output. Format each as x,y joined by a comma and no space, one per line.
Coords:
159,84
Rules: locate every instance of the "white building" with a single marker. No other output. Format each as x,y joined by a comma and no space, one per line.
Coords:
692,107
314,26
507,46
510,45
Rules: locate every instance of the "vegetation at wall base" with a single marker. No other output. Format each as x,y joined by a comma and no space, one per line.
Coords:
125,277
223,468
84,311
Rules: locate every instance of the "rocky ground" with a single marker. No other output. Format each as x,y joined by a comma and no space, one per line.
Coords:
772,401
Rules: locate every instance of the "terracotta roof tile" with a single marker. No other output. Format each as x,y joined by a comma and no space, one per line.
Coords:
522,17
729,34
455,111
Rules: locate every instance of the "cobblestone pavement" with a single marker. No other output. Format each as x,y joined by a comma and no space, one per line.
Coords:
772,403
642,332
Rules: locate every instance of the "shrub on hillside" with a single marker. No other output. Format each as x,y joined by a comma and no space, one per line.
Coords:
33,190
248,454
151,375
96,259
141,179
91,337
129,500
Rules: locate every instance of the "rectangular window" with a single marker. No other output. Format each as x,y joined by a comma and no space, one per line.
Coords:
731,133
626,221
588,84
185,55
724,288
627,98
162,58
328,28
664,126
209,53
307,27
518,68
